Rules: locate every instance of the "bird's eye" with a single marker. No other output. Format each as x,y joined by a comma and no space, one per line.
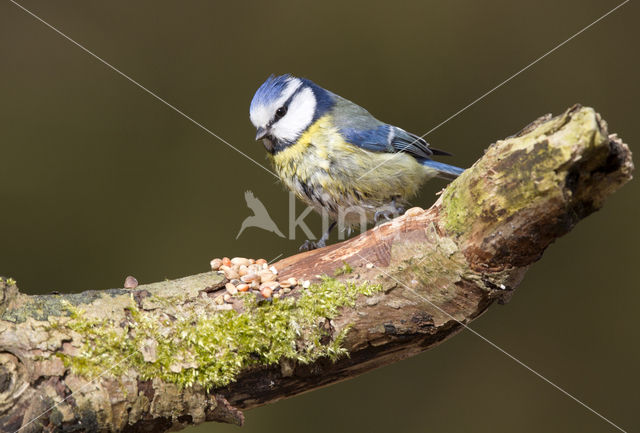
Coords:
281,112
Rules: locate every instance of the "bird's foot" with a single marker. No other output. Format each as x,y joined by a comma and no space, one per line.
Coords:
387,214
398,209
311,245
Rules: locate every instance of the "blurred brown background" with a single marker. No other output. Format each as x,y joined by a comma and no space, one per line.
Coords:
99,180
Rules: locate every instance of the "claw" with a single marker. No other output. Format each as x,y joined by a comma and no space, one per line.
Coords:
390,211
309,245
387,214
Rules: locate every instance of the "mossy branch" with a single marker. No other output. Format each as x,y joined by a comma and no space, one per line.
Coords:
166,355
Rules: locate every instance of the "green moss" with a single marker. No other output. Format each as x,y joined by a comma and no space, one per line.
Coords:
212,350
343,270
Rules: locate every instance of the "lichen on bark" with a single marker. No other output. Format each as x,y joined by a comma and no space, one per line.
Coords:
521,169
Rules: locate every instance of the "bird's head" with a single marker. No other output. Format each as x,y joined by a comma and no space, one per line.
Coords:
284,107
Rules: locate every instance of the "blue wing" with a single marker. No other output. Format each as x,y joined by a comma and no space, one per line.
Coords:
360,128
388,138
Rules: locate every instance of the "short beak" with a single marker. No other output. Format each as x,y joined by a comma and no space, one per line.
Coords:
261,133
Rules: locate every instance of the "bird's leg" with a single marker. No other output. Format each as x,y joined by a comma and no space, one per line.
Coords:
322,242
390,211
325,237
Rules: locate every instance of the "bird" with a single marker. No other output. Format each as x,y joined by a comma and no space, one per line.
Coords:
337,157
260,217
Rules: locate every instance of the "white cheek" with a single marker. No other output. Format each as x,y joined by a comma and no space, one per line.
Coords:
298,117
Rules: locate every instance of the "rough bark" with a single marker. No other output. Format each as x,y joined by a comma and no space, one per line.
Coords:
433,271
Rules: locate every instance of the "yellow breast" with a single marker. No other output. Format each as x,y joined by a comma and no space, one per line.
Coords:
313,143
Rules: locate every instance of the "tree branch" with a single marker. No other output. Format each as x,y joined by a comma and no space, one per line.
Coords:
173,353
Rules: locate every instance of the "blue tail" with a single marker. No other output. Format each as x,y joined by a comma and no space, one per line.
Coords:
445,171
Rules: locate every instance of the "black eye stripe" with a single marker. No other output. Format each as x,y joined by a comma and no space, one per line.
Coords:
285,106
279,114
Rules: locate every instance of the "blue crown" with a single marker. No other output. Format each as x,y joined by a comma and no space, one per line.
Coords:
270,90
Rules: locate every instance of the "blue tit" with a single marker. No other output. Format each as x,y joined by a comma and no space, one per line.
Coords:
338,158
